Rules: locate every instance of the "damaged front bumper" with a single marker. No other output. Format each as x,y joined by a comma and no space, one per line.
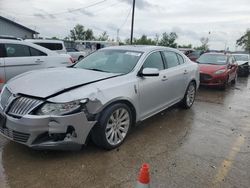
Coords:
68,132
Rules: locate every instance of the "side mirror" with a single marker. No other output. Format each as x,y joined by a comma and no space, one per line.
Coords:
150,72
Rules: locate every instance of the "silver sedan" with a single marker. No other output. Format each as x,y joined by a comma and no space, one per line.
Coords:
100,97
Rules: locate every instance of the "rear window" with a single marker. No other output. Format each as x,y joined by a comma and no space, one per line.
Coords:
51,46
71,50
35,52
241,57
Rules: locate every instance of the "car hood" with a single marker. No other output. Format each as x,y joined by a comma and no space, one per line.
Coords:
207,68
48,82
241,62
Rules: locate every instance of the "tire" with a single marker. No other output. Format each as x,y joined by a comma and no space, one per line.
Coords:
189,97
111,131
225,84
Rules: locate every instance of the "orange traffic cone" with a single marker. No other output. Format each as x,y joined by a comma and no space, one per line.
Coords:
143,178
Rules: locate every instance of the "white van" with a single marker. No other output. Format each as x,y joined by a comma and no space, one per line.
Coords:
54,45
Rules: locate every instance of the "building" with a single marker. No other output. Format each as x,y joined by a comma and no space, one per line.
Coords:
11,28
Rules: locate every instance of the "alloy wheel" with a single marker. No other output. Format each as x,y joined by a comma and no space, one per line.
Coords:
117,126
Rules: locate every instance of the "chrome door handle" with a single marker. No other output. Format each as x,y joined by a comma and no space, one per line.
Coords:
39,61
164,78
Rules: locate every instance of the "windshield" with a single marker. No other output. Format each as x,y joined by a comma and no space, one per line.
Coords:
112,61
241,57
215,59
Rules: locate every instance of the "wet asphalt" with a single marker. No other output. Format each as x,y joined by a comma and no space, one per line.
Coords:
206,146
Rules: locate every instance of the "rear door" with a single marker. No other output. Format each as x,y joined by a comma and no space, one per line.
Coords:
22,58
176,76
2,71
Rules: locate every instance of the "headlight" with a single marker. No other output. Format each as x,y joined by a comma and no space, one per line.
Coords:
220,71
61,108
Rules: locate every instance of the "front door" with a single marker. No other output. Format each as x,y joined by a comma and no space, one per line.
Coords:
152,90
21,58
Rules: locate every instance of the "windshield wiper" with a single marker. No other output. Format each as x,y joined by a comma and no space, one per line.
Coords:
97,70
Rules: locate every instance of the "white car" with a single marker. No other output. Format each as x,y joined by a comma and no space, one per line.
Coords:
17,57
76,54
54,45
59,47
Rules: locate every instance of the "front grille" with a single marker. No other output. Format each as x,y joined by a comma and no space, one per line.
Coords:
205,77
15,135
6,94
23,105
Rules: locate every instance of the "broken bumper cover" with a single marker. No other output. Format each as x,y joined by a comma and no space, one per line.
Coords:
67,132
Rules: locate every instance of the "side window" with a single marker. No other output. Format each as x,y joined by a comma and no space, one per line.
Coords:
17,50
51,46
2,50
35,52
171,59
154,60
180,58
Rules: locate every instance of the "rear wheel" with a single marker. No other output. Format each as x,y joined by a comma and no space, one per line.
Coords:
189,97
113,126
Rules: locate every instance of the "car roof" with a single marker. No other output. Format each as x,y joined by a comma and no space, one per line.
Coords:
44,40
13,41
217,53
140,48
240,54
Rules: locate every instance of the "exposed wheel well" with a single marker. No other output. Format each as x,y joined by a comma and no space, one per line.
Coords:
129,104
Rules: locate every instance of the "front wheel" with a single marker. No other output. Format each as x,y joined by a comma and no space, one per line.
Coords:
113,126
189,97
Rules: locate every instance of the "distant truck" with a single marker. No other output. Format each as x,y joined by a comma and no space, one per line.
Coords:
89,46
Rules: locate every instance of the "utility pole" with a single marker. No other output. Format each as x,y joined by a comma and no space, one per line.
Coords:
132,23
117,36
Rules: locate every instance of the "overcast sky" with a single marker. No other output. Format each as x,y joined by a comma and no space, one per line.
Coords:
226,20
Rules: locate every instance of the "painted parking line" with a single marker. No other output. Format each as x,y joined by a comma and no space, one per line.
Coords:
226,164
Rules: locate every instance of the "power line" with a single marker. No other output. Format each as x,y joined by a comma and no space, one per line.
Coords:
78,9
125,19
64,12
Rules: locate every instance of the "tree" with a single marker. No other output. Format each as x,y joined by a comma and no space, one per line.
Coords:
89,35
144,40
104,36
169,40
244,41
204,44
55,38
79,33
185,46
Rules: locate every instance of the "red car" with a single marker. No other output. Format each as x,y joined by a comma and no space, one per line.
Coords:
217,69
